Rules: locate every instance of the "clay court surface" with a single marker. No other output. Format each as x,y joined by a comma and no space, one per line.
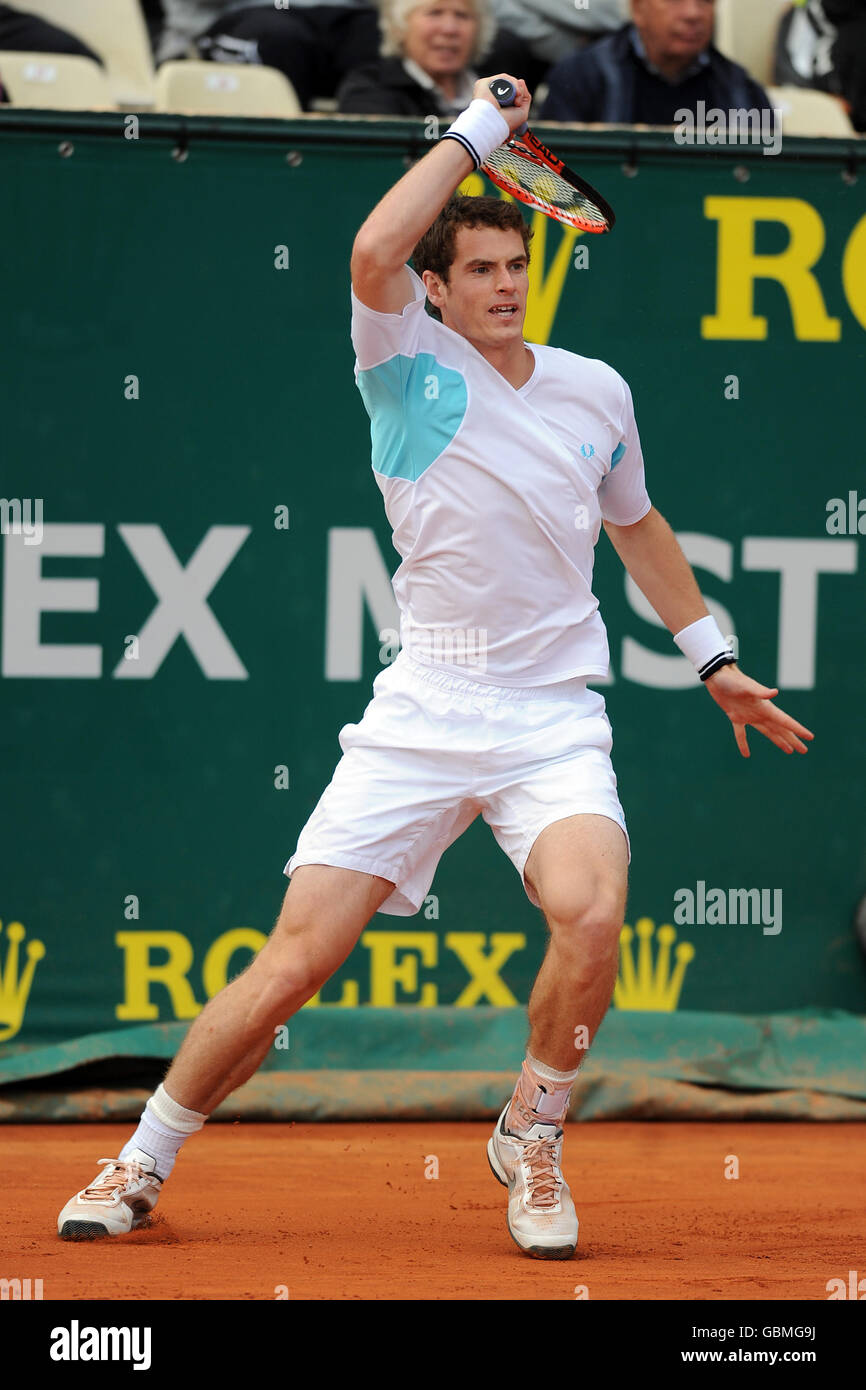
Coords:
344,1211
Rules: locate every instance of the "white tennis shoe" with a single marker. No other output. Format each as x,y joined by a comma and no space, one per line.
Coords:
541,1215
119,1200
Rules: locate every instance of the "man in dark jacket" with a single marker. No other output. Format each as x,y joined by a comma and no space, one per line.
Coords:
649,70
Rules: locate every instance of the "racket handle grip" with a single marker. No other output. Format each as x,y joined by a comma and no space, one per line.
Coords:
505,93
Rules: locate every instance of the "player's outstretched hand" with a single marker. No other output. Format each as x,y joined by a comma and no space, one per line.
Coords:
746,702
516,115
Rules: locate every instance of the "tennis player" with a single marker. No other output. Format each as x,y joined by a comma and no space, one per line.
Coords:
498,462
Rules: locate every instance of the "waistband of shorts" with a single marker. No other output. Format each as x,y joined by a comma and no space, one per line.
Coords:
460,685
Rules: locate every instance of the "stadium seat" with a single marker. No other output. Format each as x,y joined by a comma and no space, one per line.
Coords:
55,81
115,29
805,112
746,32
224,89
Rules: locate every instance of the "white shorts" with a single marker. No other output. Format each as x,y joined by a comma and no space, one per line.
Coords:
433,750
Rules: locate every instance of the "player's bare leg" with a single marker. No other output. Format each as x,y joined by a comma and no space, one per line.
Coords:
578,869
323,914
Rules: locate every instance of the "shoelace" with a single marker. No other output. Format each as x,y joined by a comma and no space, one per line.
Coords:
540,1155
119,1175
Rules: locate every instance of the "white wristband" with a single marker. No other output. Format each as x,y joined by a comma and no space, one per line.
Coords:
702,642
479,129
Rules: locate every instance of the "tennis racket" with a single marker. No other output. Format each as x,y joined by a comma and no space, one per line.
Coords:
530,172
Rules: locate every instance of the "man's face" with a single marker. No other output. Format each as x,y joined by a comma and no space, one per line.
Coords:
440,36
485,297
675,29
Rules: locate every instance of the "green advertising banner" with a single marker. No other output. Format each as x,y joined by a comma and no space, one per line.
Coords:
196,564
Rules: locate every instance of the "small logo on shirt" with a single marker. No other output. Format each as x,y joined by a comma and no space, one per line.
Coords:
587,450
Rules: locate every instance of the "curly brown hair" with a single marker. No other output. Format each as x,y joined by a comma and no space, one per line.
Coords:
437,247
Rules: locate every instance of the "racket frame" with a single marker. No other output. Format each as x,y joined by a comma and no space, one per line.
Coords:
528,146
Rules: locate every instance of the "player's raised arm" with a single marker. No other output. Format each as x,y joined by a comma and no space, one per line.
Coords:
390,234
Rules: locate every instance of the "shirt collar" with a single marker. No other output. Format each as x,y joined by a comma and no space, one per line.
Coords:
700,62
465,86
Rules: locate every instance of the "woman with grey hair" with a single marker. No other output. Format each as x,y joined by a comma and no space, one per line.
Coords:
429,52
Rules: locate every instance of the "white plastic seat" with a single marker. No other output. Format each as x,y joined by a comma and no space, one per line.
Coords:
746,32
805,112
116,31
55,81
224,89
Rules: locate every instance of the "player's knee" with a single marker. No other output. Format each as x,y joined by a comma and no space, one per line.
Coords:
583,920
290,967
288,979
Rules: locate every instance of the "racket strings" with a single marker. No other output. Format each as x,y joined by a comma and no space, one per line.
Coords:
532,182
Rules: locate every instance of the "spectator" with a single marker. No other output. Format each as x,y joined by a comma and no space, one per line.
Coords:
427,48
154,19
849,56
662,63
822,44
28,33
313,45
554,28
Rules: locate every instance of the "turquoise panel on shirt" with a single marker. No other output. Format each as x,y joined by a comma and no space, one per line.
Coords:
617,455
416,406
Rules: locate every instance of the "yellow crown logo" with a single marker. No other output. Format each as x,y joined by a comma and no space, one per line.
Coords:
652,988
14,992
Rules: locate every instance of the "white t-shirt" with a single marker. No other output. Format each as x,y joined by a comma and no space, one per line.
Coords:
495,496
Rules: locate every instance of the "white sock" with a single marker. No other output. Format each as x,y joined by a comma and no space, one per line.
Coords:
559,1078
162,1129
